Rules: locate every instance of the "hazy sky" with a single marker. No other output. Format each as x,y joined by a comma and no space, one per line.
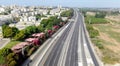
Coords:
71,3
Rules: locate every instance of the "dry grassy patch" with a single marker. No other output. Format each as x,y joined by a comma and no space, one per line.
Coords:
110,39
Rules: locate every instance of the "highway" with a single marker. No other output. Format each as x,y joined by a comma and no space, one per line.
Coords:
69,47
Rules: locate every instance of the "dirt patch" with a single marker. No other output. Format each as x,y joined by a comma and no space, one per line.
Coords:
115,45
116,26
106,37
114,18
116,30
91,13
112,65
98,51
115,49
100,25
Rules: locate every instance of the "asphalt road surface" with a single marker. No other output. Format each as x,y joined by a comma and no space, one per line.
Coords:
70,48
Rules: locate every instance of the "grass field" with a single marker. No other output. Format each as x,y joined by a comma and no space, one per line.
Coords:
93,20
12,43
110,39
2,60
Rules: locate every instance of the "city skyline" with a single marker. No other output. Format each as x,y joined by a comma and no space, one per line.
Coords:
70,3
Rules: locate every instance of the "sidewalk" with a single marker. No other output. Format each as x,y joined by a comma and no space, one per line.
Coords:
3,42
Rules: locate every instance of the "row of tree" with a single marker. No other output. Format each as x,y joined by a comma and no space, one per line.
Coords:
67,13
100,14
14,33
11,59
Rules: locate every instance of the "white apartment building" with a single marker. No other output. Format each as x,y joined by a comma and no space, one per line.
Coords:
44,18
64,18
2,9
32,18
55,11
44,12
28,19
24,19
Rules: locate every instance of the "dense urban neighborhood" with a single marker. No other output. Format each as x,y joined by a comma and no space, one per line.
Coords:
21,17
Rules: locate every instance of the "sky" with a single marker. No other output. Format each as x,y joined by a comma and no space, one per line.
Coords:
68,3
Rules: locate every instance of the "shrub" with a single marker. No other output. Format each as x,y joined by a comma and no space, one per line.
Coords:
99,45
100,15
11,55
16,57
92,32
5,51
31,51
9,61
12,63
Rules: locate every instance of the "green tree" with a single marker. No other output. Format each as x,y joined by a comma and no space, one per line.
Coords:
100,15
38,16
20,36
49,23
67,13
30,30
15,31
9,32
44,22
41,28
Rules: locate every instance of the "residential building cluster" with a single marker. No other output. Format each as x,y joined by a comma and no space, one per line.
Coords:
23,16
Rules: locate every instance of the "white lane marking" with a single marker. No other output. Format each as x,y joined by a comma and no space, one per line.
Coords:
36,64
90,62
64,52
87,53
80,64
80,61
57,52
85,44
